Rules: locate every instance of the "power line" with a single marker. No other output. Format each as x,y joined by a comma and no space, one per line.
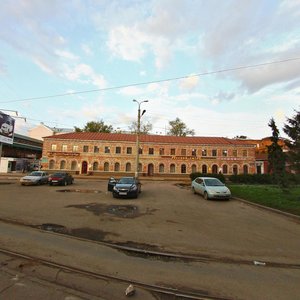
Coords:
155,81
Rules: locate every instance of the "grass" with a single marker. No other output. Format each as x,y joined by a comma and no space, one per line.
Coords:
287,200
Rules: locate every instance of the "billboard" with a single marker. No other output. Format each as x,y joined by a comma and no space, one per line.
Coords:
7,126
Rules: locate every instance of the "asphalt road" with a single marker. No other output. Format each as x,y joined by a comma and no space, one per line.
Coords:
166,217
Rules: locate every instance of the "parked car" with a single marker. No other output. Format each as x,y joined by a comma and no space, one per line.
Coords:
35,178
61,178
210,188
126,187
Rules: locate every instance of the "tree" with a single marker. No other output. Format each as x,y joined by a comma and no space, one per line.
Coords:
276,157
145,128
179,128
93,126
292,129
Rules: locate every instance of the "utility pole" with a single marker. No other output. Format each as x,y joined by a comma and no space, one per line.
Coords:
137,157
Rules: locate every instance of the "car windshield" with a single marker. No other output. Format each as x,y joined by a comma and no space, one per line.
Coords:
58,175
213,182
35,174
126,180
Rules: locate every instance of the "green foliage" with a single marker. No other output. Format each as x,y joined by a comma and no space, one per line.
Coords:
221,177
292,129
178,128
93,126
145,128
276,157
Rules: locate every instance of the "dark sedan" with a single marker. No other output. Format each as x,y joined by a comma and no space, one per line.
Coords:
60,178
127,187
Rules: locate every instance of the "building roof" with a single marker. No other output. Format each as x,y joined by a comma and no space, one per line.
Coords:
162,139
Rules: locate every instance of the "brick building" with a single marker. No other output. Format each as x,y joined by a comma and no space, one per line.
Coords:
114,153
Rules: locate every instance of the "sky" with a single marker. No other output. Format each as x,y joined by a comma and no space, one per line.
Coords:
224,68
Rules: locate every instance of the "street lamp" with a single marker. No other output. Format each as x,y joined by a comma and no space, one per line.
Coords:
138,136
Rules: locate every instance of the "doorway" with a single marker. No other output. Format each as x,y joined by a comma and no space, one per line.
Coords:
84,167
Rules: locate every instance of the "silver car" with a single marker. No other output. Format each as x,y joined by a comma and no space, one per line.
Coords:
210,188
35,178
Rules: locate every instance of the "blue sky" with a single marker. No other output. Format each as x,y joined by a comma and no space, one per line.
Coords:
54,47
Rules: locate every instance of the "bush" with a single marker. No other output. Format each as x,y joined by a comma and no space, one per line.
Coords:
221,177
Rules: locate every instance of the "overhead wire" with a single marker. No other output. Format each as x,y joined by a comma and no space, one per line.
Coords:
154,81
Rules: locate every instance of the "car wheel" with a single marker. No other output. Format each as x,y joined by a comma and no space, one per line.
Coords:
114,195
206,196
65,183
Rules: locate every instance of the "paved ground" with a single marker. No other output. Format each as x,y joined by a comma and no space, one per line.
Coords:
165,216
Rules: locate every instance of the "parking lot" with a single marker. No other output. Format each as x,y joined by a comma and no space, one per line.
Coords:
167,216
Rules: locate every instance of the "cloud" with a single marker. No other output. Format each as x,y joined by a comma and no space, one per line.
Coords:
189,83
87,50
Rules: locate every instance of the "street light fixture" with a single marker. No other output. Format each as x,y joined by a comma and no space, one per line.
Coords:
138,135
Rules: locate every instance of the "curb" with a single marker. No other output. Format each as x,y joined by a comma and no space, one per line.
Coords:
270,209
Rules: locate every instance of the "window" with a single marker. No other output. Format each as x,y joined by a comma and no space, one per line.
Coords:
194,152
214,169
245,153
204,152
161,151
235,169
73,165
51,164
129,150
96,149
194,168
224,152
225,169
75,148
107,149
95,166
85,148
64,148
214,152
172,168
106,166
118,150
128,167
183,169
62,165
117,167
245,169
183,151
151,151
53,147
161,168
204,169
141,151
234,153
172,151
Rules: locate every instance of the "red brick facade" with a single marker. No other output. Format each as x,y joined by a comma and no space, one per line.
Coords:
107,153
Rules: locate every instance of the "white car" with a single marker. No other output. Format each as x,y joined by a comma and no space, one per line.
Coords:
210,188
35,178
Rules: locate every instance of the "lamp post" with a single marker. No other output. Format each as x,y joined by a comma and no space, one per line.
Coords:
138,136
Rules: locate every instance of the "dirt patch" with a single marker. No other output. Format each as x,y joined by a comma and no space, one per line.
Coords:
185,186
3,183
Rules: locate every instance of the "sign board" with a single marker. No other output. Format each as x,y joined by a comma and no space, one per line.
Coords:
7,127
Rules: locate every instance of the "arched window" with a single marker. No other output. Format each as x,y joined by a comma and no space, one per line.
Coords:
183,168
245,169
74,165
95,166
225,169
194,168
128,167
204,169
235,169
62,165
106,166
117,167
214,169
51,164
172,168
161,168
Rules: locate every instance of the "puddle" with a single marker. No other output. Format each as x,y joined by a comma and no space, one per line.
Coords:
79,191
123,211
2,183
183,185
